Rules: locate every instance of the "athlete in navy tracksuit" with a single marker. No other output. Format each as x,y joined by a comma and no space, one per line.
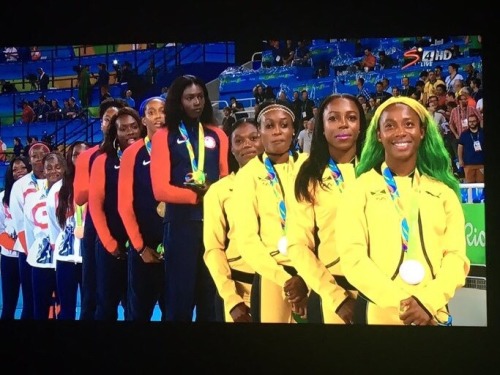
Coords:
142,216
177,159
111,254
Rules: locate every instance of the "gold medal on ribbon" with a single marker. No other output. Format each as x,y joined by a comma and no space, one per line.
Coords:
79,232
160,209
412,272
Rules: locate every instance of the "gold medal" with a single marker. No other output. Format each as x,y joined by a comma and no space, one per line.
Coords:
283,245
160,209
412,272
78,232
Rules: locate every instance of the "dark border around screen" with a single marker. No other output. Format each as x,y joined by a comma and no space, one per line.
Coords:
228,348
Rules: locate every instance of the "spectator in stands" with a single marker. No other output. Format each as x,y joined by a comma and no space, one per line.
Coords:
419,91
395,91
305,136
84,86
368,62
282,96
18,147
459,118
258,93
472,73
441,95
277,53
360,83
7,87
474,44
479,105
288,52
439,73
228,120
43,80
237,106
11,54
306,106
129,99
386,85
476,92
126,73
431,85
73,109
103,79
302,56
385,61
452,76
471,151
28,115
380,95
43,109
151,74
269,93
55,111
35,53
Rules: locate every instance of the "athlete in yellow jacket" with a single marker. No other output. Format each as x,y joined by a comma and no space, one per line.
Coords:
233,277
400,227
319,186
262,189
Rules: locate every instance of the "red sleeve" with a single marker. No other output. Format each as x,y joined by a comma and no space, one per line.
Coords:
96,203
160,173
223,151
6,241
82,176
126,194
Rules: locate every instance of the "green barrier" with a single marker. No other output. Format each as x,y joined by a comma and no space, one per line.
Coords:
475,234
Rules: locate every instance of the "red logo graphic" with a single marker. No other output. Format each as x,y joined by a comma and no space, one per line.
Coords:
415,54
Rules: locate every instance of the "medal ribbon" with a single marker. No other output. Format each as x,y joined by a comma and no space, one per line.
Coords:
37,187
393,190
147,142
119,153
278,189
196,165
336,174
80,214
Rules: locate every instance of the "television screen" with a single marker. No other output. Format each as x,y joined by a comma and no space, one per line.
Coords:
232,65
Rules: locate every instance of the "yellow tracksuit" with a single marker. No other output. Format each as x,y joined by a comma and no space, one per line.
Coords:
368,239
304,218
258,229
232,275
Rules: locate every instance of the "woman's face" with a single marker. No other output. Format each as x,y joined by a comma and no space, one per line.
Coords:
128,130
400,132
19,169
276,129
53,170
36,154
193,101
341,119
245,143
154,116
106,117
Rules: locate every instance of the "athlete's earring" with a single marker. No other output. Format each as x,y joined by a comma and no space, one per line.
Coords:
115,144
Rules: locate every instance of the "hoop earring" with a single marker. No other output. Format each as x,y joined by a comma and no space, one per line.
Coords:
115,144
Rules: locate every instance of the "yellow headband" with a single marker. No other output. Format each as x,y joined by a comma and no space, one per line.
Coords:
275,107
